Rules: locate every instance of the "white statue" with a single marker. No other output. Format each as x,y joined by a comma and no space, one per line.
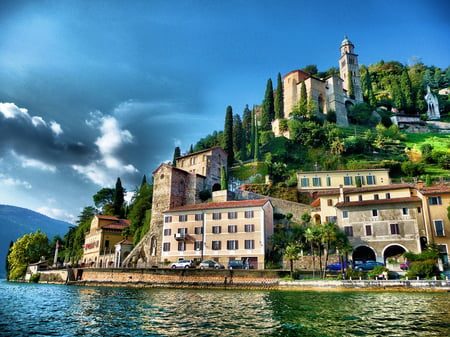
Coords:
432,104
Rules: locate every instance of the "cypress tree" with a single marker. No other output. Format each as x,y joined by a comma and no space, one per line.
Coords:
406,88
176,154
238,138
228,136
191,149
303,98
119,199
279,104
252,133
256,144
351,89
268,112
247,124
223,179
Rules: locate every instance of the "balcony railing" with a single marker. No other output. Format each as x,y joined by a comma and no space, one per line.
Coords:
180,236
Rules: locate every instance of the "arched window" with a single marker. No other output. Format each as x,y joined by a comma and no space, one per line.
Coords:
153,245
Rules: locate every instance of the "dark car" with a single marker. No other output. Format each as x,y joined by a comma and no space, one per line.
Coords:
368,265
336,266
238,264
209,264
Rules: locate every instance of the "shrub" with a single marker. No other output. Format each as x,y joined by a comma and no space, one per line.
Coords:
423,269
35,278
378,270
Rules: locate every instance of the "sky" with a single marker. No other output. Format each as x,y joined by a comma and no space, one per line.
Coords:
95,90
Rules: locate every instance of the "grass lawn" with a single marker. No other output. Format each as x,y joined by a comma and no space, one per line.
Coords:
439,141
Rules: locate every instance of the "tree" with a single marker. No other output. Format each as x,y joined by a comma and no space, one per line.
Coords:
268,113
291,253
176,154
103,197
223,178
238,138
328,232
351,89
312,236
279,99
360,114
247,124
228,136
119,199
28,249
141,203
303,101
310,69
406,89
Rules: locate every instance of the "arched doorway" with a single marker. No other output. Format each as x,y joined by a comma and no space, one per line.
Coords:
363,253
393,252
348,105
216,187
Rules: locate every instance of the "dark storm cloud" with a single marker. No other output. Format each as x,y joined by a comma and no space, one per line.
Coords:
33,137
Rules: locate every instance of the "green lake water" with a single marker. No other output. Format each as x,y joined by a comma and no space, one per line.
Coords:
56,310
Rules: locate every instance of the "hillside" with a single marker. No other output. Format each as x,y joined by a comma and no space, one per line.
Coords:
17,221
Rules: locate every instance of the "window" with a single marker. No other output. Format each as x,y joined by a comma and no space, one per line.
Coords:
348,230
419,210
198,230
345,214
330,202
395,229
232,244
232,215
249,228
376,197
405,211
198,245
347,180
182,231
388,195
168,219
181,246
328,181
167,232
435,201
317,181
198,216
370,180
304,182
217,229
249,214
232,229
359,181
217,216
249,244
166,246
439,227
331,219
368,230
216,245
360,198
347,198
182,218
374,212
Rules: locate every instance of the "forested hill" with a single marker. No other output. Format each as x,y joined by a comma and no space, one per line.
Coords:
17,221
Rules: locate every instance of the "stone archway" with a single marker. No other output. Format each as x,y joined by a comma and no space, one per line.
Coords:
393,251
348,105
216,187
364,253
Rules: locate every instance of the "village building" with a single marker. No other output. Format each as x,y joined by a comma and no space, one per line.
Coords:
219,231
175,186
99,244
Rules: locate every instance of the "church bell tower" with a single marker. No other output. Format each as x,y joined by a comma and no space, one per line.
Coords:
349,70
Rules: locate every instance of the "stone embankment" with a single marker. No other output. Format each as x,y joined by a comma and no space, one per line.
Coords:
227,279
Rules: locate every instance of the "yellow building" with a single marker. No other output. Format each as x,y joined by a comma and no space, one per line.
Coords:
219,231
99,244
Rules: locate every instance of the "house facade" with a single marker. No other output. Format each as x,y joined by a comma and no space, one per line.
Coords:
219,231
99,243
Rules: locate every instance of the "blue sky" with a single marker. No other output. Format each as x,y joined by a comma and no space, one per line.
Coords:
95,90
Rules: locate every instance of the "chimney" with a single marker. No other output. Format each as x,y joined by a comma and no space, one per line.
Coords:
341,193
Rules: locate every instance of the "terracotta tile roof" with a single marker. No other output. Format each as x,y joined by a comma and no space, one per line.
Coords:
378,202
115,226
334,171
435,190
216,205
106,217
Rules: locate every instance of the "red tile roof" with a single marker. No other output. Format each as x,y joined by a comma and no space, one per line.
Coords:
336,191
216,205
378,202
435,190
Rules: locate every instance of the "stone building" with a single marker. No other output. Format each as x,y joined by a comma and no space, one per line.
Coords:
175,187
330,93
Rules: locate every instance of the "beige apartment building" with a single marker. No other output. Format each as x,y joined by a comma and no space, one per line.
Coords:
99,244
435,202
219,231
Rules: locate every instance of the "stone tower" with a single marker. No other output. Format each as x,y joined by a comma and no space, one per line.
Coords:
348,63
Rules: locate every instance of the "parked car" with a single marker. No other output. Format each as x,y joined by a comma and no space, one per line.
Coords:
238,264
336,266
183,264
209,264
368,265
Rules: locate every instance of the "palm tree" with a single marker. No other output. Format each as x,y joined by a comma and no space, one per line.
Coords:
311,234
292,252
328,237
343,246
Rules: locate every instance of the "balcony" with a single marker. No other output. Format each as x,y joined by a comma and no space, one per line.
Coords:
180,236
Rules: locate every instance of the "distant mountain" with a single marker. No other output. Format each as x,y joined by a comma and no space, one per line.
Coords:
17,221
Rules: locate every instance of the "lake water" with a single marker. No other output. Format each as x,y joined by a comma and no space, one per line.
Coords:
57,310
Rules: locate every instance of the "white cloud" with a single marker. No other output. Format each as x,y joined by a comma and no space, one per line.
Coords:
11,182
56,213
105,170
56,128
36,120
33,163
10,110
